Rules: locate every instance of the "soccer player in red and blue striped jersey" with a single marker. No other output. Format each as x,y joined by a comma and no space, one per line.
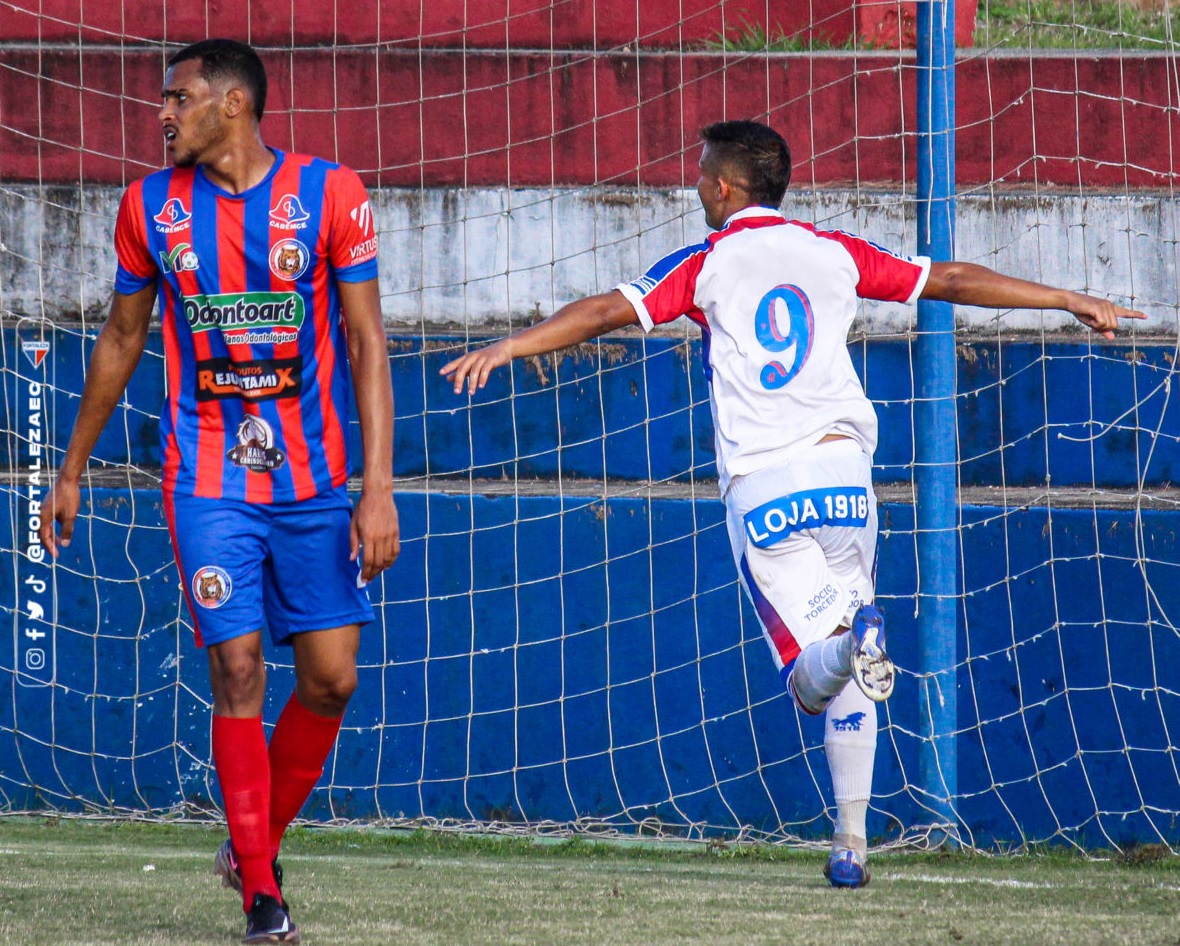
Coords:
265,268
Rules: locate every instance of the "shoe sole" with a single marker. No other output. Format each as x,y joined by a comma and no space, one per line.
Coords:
291,936
872,669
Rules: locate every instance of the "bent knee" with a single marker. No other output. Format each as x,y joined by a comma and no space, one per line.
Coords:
327,695
238,680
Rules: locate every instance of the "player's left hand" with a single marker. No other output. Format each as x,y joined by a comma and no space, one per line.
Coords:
375,528
1101,315
475,366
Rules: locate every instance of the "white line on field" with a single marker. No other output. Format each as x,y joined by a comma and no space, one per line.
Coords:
994,882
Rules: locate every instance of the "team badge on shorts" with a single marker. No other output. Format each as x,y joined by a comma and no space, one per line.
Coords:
212,586
289,259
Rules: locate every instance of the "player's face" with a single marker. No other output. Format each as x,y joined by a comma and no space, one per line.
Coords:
191,115
709,191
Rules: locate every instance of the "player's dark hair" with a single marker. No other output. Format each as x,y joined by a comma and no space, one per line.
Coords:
754,151
229,59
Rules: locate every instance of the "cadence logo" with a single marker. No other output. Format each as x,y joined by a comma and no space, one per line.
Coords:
34,603
173,216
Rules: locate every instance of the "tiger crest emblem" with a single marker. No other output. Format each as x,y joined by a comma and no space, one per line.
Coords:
212,586
289,259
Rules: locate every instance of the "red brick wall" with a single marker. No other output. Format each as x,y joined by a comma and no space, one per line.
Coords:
481,24
488,118
496,24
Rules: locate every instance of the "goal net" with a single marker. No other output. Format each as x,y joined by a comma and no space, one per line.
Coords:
563,644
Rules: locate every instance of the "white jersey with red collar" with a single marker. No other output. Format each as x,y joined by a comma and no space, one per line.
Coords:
775,299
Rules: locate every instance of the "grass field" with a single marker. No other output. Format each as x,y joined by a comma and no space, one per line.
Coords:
80,883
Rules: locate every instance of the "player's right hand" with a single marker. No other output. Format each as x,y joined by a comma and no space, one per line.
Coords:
60,505
475,366
1100,315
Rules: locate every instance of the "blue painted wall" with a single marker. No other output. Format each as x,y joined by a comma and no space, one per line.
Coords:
637,408
549,658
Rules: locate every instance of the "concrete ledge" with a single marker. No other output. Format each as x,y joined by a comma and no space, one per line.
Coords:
484,259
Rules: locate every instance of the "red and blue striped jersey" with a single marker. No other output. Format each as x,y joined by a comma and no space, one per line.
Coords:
258,380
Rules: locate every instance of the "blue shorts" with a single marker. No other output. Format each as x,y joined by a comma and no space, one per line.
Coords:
283,567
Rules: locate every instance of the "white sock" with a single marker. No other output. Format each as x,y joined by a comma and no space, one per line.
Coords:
821,671
850,741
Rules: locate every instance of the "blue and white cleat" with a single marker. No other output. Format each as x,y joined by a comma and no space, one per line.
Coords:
846,869
872,669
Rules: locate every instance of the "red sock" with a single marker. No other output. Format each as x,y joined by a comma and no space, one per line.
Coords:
239,755
298,747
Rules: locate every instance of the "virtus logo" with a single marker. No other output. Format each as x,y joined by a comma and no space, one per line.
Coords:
362,216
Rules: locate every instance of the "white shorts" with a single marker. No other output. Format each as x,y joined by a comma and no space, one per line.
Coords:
804,538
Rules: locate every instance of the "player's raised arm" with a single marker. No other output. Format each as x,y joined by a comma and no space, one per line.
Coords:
116,353
971,284
573,323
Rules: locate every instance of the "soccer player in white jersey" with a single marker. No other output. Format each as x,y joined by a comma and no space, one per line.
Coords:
795,433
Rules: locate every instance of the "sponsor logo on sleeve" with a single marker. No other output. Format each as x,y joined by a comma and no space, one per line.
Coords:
212,586
255,449
289,259
173,216
262,380
366,249
252,318
363,251
288,214
362,216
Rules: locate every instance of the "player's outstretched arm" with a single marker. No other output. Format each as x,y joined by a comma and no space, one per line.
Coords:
375,526
971,284
116,353
577,322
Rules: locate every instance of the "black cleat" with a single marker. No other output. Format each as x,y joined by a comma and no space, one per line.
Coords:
225,866
269,922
